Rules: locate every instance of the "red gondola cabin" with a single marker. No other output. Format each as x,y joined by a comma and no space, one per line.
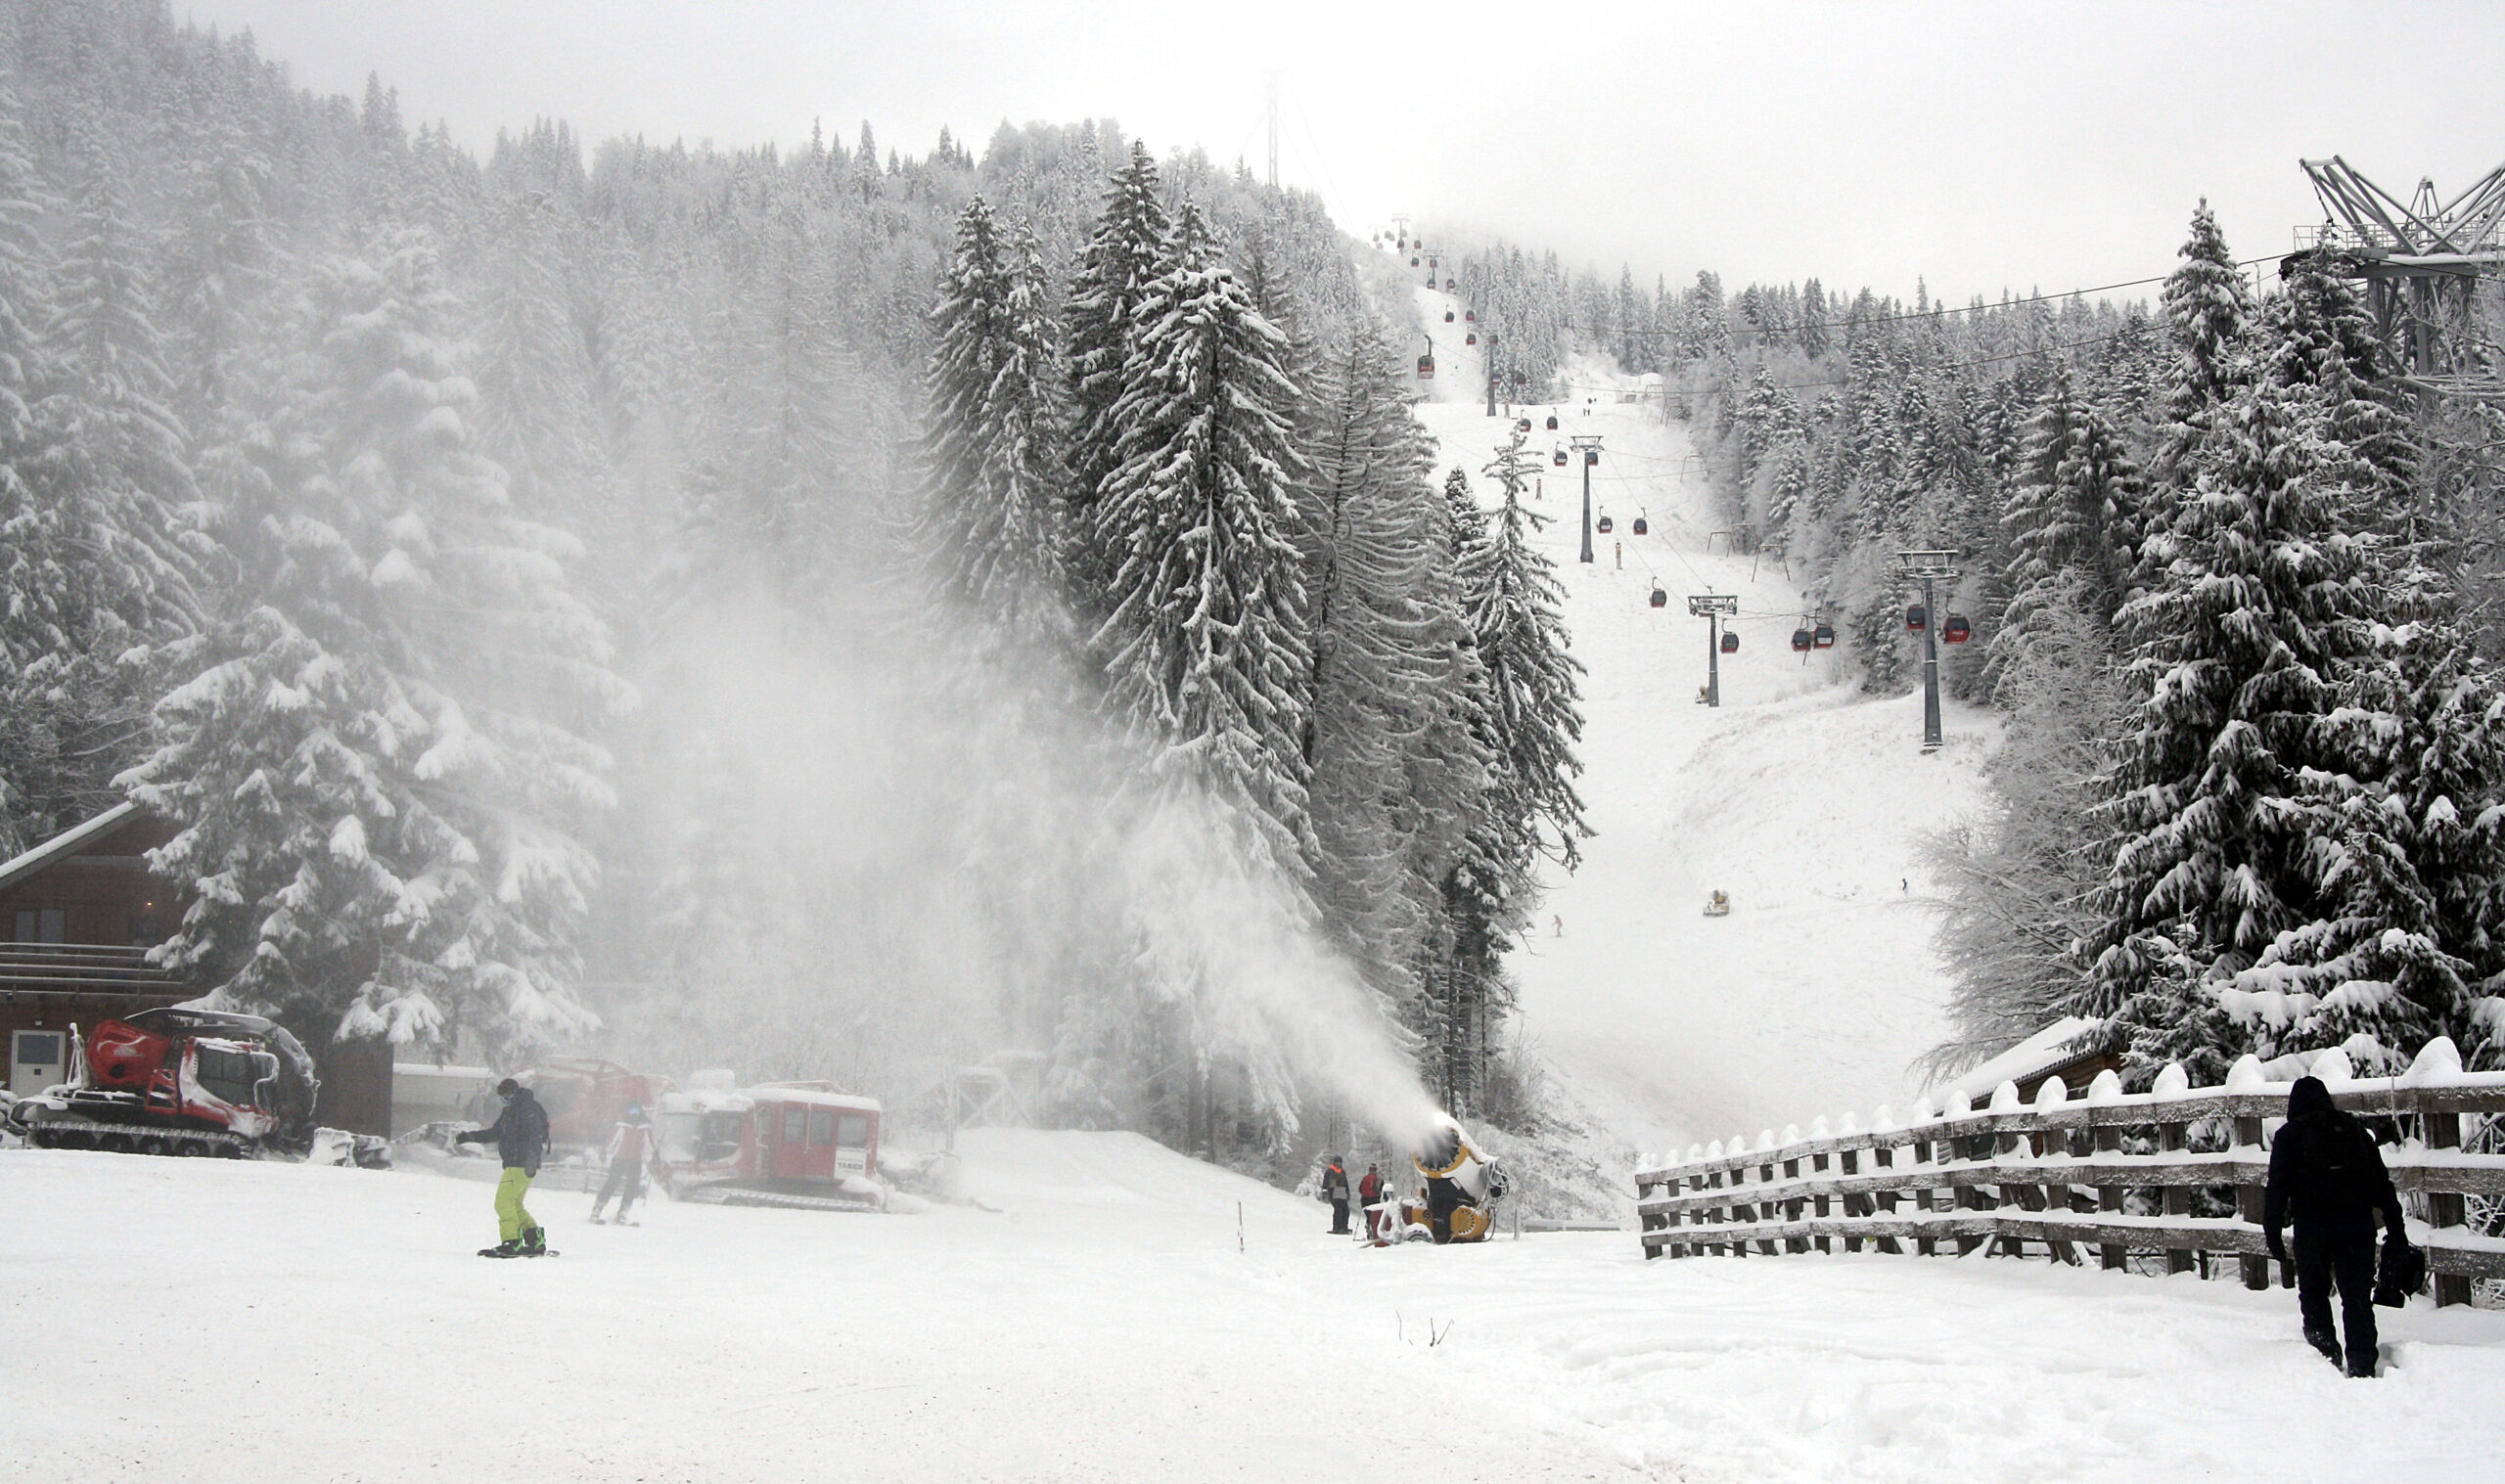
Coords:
1917,619
1730,644
1660,600
1954,629
1802,640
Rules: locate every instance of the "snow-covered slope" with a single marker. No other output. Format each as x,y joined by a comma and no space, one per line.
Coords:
1799,796
1130,1314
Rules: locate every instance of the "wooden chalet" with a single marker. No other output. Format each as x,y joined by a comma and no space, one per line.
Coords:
78,914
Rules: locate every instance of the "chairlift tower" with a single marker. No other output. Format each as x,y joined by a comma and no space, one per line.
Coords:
1588,445
1927,569
1490,340
2422,262
1712,607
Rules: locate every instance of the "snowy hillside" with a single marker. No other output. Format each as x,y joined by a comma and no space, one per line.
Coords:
1112,1320
1799,797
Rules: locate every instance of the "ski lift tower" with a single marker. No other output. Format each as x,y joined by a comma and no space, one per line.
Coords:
1927,569
1588,445
2422,262
1712,607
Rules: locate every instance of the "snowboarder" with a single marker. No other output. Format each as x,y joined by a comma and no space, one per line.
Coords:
2327,1176
629,1146
521,1137
1335,1190
1370,1197
1556,925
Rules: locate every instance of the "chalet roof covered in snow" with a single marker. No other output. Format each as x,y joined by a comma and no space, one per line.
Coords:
2050,1049
63,845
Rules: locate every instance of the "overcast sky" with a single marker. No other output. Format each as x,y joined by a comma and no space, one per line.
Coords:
1982,146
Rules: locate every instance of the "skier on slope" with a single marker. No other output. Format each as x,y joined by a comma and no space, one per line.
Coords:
631,1146
2328,1176
1335,1190
521,1137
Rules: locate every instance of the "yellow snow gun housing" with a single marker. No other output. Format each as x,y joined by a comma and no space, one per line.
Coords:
1461,1194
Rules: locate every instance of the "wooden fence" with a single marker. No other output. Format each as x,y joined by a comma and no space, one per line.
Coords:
2113,1171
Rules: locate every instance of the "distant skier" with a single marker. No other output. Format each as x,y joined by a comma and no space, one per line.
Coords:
1370,1197
2328,1176
1335,1190
630,1147
1557,925
521,1137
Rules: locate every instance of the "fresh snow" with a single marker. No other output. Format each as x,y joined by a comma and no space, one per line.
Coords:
1102,1323
1799,797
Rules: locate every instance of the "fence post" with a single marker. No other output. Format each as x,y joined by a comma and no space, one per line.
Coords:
2448,1208
1925,1246
2174,1138
2247,1207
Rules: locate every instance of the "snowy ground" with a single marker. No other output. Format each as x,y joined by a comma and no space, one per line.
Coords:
1799,796
261,1322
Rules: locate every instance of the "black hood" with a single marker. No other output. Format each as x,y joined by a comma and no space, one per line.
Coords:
2308,1095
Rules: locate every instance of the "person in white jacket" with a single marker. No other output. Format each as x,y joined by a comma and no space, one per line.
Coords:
630,1147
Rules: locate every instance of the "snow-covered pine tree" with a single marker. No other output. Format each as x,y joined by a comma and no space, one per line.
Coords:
115,530
1389,769
2208,311
1127,250
2409,850
995,522
1204,646
2072,524
1533,699
377,773
2237,655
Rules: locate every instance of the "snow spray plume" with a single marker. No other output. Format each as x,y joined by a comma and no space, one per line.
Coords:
883,859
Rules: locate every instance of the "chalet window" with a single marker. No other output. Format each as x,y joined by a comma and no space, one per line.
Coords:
42,924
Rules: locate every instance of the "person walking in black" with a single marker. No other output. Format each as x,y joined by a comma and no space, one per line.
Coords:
2328,1177
1335,1190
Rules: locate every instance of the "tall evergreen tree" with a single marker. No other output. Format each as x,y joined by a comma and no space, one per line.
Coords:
1205,647
1125,252
995,522
2236,657
378,792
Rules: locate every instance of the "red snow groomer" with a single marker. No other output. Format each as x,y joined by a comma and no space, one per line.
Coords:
586,1097
783,1144
176,1081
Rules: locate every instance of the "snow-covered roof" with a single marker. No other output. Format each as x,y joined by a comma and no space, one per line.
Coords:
2045,1050
715,1100
63,846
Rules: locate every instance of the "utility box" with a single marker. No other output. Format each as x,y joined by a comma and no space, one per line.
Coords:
37,1060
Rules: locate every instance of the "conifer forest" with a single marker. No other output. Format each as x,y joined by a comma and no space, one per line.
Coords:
848,610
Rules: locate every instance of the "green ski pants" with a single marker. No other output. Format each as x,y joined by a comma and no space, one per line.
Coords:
511,1219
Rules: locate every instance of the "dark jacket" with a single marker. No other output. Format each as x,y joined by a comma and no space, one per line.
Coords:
2324,1167
1334,1184
520,1132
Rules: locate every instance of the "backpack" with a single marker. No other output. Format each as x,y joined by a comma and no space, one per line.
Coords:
2402,1273
2342,1167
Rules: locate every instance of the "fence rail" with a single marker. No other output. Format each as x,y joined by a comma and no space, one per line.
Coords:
83,969
2115,1171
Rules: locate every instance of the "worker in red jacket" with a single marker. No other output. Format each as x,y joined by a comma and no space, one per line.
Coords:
1370,1197
630,1147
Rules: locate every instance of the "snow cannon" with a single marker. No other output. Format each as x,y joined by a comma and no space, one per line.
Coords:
179,1081
1461,1192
